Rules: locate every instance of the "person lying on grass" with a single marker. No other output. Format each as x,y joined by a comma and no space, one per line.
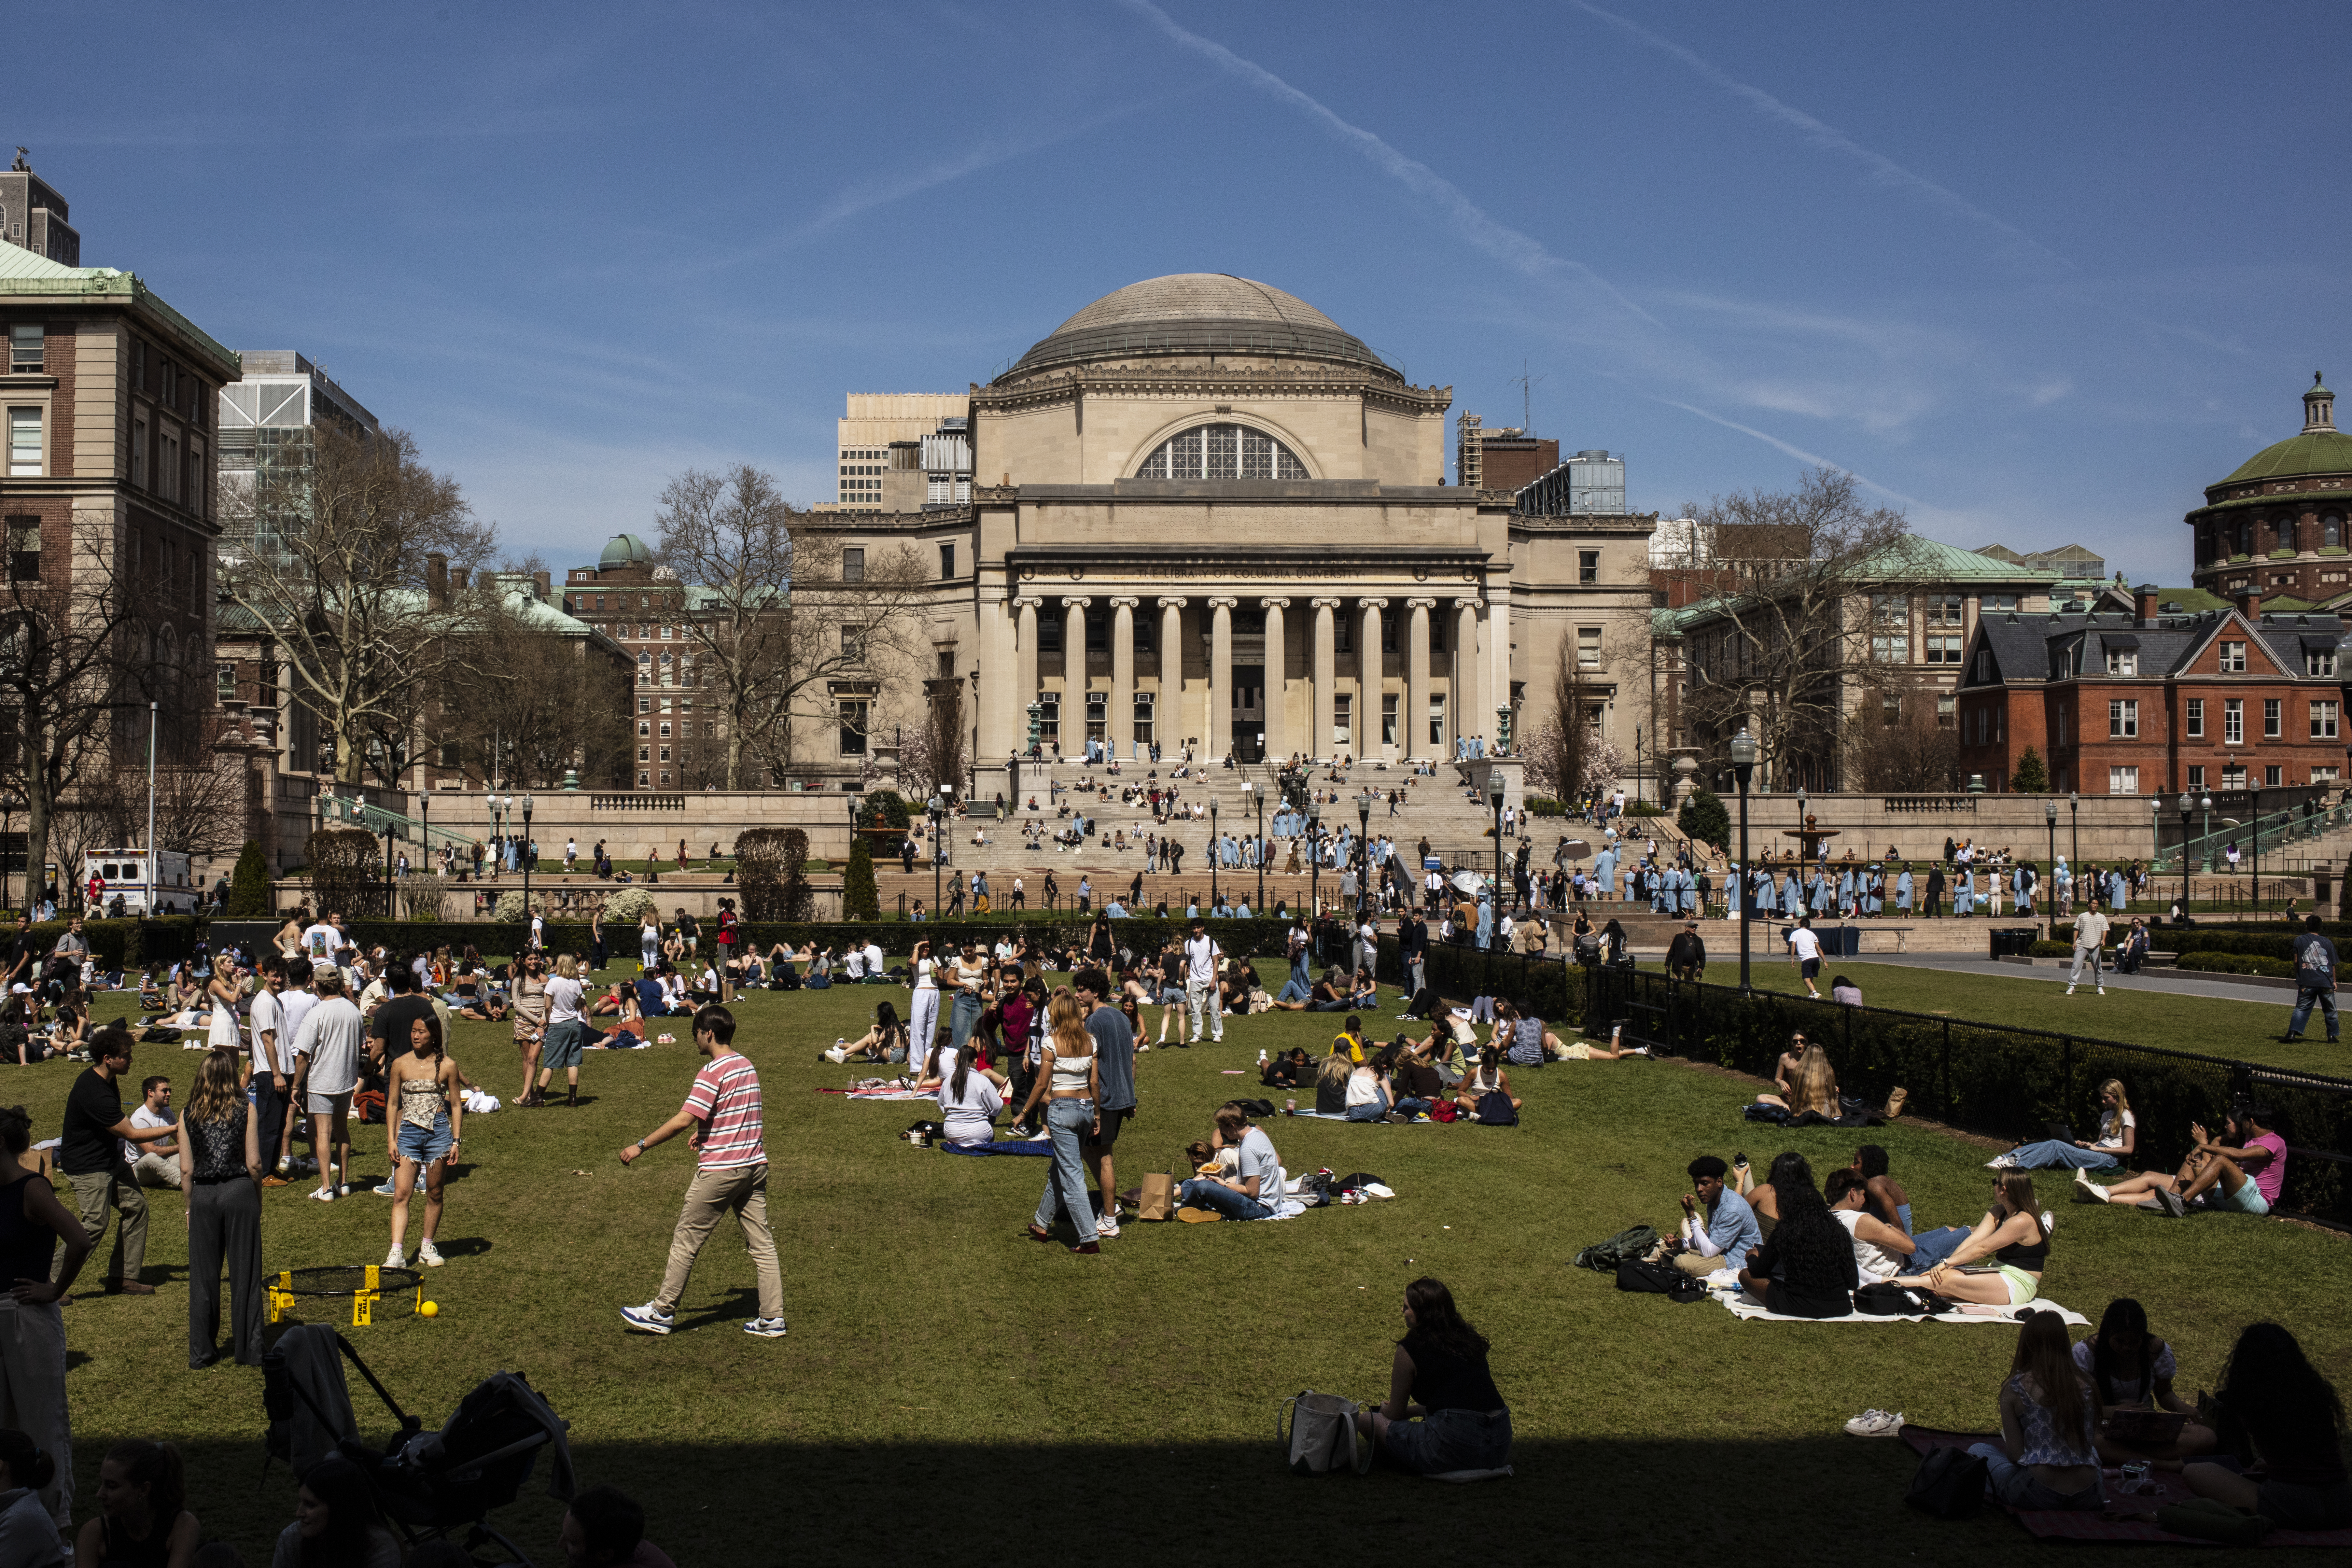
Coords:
1490,1078
1887,1199
1806,1267
2244,1174
1330,994
2012,1236
1880,1251
2131,1369
2118,1136
1718,1229
1292,1069
1443,1412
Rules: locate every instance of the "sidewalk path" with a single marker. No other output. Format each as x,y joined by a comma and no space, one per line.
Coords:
2164,981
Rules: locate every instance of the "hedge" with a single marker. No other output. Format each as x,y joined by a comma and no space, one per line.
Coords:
1992,1080
2236,964
127,943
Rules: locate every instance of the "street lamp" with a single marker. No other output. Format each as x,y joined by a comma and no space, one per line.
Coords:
2075,827
2205,833
498,834
1803,801
2257,816
1364,848
938,808
2050,821
1495,801
2185,803
526,873
1216,846
1638,798
1314,858
1251,794
1743,767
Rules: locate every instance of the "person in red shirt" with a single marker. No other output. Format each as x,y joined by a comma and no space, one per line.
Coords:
731,1177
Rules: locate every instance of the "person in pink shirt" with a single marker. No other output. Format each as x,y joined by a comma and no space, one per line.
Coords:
2244,1174
722,1110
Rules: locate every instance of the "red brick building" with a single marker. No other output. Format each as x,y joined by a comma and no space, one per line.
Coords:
2149,703
2277,526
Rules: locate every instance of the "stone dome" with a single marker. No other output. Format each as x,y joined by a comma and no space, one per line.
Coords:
1198,313
2319,449
626,550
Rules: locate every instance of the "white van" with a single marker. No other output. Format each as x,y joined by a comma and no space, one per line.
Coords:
129,873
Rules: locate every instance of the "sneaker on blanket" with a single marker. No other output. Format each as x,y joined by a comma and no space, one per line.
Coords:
1877,1424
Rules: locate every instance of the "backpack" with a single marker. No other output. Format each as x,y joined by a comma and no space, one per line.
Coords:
1495,1110
1653,1279
1949,1484
1322,1435
1622,1247
1444,1111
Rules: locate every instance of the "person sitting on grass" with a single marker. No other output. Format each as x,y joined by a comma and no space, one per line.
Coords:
1886,1198
1292,1069
141,1516
1252,1183
1349,1041
1368,1098
1719,1227
969,1096
1764,1199
2048,1456
603,1528
335,1522
2245,1176
1441,1052
1881,1250
1331,1077
2131,1369
1810,1085
1417,1085
1805,1267
1330,994
1844,991
2284,1422
28,1535
1492,1078
2011,1235
883,1041
1443,1412
2118,1136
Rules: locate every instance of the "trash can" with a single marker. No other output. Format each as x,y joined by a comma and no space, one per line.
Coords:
2013,942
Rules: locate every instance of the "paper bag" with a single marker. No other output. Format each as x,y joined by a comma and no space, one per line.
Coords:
1157,1199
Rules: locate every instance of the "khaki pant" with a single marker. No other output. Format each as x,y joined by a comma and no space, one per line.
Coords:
742,1190
33,1393
94,1192
1692,1263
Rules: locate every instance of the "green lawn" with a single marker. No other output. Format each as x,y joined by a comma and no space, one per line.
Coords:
2212,1025
949,1388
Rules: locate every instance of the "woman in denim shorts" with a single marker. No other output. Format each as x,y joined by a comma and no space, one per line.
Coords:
426,1108
1443,1412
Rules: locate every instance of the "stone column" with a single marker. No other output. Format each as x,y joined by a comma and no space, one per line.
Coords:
1277,681
1074,676
1463,719
1497,666
1319,743
1121,729
1218,733
1169,716
1026,681
1416,676
1372,668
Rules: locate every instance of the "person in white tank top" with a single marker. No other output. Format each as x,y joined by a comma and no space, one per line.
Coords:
1880,1251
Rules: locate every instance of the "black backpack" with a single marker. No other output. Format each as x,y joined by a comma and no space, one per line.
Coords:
1653,1279
1885,1298
1949,1484
1495,1110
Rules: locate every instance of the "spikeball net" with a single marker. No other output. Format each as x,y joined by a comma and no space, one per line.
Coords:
364,1293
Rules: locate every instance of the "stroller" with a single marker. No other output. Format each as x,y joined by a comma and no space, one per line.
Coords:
428,1484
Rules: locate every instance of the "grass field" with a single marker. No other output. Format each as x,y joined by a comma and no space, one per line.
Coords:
948,1388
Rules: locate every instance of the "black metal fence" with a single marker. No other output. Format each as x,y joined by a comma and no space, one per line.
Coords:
1994,1080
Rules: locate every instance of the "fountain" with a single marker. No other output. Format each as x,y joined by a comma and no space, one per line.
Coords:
1810,834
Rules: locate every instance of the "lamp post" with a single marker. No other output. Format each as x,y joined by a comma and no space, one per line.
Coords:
2050,821
1215,846
2075,827
2185,804
1638,795
1495,801
1502,731
526,872
2205,833
1252,795
1036,718
498,834
1743,767
938,810
1314,859
2257,814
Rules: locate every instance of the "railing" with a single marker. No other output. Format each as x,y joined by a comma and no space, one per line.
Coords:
2273,831
375,819
637,802
1931,804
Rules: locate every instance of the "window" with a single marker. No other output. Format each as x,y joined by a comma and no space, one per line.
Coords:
645,754
947,560
1145,634
24,549
2233,658
25,348
644,728
1388,718
2325,776
853,643
2196,778
2323,720
1343,722
2120,662
1588,648
666,637
2233,721
2122,720
1944,709
853,729
2233,775
25,443
1890,610
2331,530
1890,650
1097,715
139,453
1998,602
2123,781
1588,566
643,778
224,682
853,564
1049,633
2318,661
664,734
1944,647
1438,719
1890,710
2272,777
1222,452
2271,718
2197,718
1098,631
1143,716
644,704
1049,719
1343,633
1388,633
1944,610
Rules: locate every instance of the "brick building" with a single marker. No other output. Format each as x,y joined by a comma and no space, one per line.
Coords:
642,607
2276,527
2149,703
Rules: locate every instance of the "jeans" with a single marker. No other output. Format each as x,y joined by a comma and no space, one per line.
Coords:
270,1091
2304,998
1201,1193
2049,1153
1339,1005
923,1018
742,1190
1197,996
1293,992
1412,1105
1931,1247
1068,1122
1416,977
1298,976
966,1013
1447,1440
1370,1111
2013,1485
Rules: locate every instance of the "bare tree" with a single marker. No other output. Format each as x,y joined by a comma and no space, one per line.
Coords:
539,702
1783,647
775,621
1896,743
341,550
935,756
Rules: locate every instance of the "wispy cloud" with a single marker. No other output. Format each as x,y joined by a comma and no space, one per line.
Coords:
2017,245
1814,458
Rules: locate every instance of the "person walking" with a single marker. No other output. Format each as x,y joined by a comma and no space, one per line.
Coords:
1067,1081
222,1154
425,1119
220,999
2314,980
2090,943
1113,1045
730,1177
271,1075
648,941
32,1330
92,1160
1201,955
528,998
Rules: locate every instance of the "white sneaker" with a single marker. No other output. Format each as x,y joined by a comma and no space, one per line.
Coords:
393,1260
2103,991
324,1194
1877,1424
2070,991
2001,1163
1105,1226
428,1254
2049,1224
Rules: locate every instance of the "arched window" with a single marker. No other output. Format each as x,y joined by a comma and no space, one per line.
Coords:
2245,539
1222,452
2331,530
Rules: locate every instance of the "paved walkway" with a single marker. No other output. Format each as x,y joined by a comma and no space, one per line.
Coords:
2164,981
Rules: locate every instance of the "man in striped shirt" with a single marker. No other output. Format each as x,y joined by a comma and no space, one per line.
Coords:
723,1111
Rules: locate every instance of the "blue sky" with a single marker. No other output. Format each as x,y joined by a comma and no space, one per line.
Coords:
2034,273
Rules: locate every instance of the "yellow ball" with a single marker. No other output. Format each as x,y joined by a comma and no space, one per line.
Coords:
429,1309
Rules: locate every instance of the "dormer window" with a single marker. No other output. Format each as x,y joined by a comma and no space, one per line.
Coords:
2120,663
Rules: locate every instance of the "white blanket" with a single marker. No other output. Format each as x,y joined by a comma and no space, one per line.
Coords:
1742,1305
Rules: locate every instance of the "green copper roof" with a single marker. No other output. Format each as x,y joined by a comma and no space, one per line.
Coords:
24,273
626,550
2312,452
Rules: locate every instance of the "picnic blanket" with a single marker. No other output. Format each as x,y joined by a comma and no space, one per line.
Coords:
879,1093
1039,1146
1742,1305
1335,1116
2088,1524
